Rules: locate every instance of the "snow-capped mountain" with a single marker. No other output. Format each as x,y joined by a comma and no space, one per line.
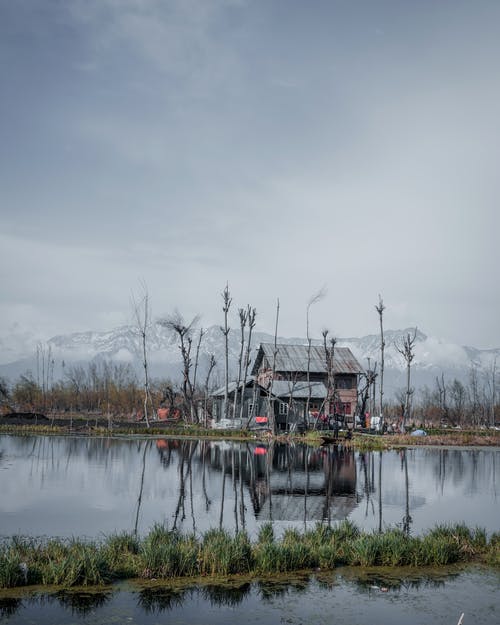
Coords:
123,344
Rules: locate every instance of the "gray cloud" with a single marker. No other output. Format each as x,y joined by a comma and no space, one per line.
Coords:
277,146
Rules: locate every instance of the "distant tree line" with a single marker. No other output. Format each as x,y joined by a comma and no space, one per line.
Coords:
474,403
102,387
116,390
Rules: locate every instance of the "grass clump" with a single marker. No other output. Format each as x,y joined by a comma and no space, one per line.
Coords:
82,564
165,553
493,551
122,554
223,554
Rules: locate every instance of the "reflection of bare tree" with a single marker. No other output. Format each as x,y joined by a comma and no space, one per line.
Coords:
379,491
147,445
223,494
235,492
306,467
269,464
186,452
205,448
407,520
367,482
242,500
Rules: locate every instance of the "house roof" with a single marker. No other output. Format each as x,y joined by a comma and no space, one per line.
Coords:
293,358
298,390
220,392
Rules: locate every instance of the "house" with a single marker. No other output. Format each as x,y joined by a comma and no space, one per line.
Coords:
331,390
251,395
332,386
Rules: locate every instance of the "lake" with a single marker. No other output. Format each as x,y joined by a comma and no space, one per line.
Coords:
320,599
76,486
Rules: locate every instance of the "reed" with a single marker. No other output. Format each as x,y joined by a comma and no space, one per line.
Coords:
122,554
166,554
222,554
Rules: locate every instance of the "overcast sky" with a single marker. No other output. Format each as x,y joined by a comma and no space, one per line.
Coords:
279,146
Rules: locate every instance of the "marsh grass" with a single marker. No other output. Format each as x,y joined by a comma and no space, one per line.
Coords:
166,554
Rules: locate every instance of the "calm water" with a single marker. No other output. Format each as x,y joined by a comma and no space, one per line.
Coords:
320,600
88,486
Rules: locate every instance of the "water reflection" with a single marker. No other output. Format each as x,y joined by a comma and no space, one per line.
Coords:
89,486
79,602
347,597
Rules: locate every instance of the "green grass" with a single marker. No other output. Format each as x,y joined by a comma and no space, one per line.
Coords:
168,554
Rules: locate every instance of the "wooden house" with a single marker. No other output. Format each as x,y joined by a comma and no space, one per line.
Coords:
330,393
332,387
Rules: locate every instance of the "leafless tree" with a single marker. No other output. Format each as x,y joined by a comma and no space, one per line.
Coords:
142,314
329,347
227,299
270,396
184,331
251,315
475,401
441,389
201,334
211,367
380,310
406,348
365,393
314,299
45,367
243,315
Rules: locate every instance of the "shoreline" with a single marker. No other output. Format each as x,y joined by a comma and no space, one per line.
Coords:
99,427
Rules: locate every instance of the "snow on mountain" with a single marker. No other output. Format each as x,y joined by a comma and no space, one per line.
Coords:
123,344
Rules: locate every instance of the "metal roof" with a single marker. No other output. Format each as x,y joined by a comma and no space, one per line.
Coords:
298,390
220,392
293,358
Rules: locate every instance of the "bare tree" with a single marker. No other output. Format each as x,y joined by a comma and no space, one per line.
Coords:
314,299
367,393
270,397
380,310
201,334
458,396
142,314
329,347
251,314
226,298
406,349
184,331
441,390
243,315
211,367
475,401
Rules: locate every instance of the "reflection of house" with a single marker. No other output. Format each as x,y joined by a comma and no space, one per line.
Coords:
290,483
311,485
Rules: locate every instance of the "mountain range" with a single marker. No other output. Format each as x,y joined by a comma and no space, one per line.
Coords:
433,357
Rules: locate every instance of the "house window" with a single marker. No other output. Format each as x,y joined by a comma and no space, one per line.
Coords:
346,408
283,408
344,383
